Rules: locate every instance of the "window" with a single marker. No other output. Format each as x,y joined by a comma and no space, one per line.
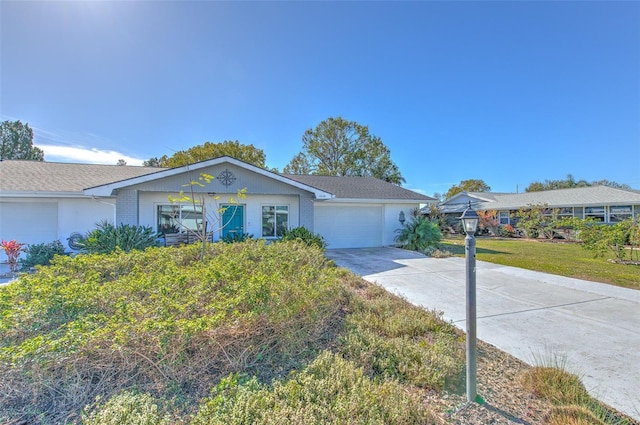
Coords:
503,216
275,220
619,213
178,218
597,213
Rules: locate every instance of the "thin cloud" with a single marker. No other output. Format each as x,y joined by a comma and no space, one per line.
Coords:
54,153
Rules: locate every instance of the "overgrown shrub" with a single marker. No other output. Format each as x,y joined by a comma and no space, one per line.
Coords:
615,238
392,339
106,238
304,235
161,321
419,234
127,408
41,254
330,390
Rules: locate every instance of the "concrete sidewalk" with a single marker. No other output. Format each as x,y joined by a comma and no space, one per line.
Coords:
537,317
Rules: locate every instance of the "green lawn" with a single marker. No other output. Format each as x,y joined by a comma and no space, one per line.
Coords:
564,259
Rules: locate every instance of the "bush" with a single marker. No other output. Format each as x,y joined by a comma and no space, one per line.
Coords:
393,340
329,390
304,235
106,238
419,234
127,408
506,231
41,254
160,321
236,237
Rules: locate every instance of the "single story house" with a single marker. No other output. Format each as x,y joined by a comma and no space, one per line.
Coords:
43,201
602,203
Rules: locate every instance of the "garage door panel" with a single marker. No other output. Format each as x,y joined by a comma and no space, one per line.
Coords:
29,222
350,226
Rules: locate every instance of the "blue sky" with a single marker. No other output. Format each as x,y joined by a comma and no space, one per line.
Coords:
510,92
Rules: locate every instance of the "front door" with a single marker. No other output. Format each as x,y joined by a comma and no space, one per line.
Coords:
232,221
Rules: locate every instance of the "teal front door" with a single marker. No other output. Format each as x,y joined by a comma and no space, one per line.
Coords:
233,221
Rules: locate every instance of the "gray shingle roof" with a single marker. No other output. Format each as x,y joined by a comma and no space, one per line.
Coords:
39,176
575,197
358,187
57,177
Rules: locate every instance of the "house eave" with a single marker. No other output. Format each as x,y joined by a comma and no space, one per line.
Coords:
378,201
38,194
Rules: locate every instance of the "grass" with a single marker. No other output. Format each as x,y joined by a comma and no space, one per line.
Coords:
564,259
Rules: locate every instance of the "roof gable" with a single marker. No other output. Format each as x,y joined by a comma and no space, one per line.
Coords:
108,189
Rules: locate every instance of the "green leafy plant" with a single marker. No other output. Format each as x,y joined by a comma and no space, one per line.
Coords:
304,235
329,390
236,237
602,238
419,234
531,219
41,254
506,231
127,408
106,238
12,249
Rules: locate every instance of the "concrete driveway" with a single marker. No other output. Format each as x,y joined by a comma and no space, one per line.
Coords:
537,317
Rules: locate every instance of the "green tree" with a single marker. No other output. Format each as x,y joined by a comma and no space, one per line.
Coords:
471,185
209,150
17,142
567,183
337,147
612,184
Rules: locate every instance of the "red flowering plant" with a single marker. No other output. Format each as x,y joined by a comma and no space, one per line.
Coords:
12,249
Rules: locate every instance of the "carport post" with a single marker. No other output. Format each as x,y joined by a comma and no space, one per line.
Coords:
470,222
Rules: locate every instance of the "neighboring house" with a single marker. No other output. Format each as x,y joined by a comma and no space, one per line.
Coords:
42,201
601,203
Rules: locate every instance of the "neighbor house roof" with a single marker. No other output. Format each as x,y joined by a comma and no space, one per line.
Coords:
57,177
574,197
352,187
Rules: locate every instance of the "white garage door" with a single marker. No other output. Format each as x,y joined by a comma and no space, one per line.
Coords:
29,222
349,226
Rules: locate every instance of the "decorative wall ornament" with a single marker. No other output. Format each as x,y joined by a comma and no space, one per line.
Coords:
226,177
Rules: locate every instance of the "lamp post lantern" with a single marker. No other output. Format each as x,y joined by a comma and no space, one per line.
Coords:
469,220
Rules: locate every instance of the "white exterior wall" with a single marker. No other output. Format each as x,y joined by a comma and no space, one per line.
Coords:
392,222
253,209
44,220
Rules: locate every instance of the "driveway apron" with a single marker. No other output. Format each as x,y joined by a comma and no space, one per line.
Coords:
592,329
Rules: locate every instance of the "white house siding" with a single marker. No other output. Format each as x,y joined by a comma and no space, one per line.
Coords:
149,202
350,225
44,220
392,220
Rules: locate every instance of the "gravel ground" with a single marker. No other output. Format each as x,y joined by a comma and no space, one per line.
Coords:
505,400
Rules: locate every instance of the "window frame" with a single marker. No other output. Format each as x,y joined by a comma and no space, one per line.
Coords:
178,225
613,214
277,228
588,213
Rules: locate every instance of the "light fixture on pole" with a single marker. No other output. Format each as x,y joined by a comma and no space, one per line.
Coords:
401,218
470,223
